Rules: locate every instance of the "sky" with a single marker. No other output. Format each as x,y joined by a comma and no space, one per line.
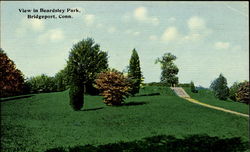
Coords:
208,38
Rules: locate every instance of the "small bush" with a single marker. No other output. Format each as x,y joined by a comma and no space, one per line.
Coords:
192,87
242,94
76,97
114,86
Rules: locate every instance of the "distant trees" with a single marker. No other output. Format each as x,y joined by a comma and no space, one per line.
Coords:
11,78
114,87
169,69
61,80
192,87
134,72
41,83
219,86
85,61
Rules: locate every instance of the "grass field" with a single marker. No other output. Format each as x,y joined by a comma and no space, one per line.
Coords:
207,96
45,121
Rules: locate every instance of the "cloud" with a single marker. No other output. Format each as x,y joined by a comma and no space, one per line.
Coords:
136,33
30,24
197,29
170,34
141,14
196,23
172,19
54,35
89,19
153,37
112,29
222,45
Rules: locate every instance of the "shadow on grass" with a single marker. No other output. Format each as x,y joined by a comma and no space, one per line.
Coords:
149,94
134,103
15,98
92,109
163,143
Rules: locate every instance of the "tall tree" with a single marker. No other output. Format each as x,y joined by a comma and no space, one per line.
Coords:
12,80
85,61
134,72
219,86
169,69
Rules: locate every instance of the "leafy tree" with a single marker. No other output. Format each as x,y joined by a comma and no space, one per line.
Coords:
243,93
233,90
114,86
134,72
219,86
85,61
42,83
12,80
169,69
192,87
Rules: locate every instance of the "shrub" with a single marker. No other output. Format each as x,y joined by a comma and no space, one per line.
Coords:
242,94
114,86
233,90
76,97
219,86
192,87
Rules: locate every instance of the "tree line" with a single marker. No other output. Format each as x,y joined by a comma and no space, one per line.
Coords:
87,72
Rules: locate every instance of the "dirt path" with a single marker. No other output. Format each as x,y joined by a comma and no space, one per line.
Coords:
182,93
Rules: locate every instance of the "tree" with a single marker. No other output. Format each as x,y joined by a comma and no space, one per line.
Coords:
243,93
219,86
42,83
169,69
134,72
192,87
85,61
61,80
12,79
233,90
114,86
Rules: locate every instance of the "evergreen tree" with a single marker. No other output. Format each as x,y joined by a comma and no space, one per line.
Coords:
134,73
11,79
85,61
192,87
219,86
169,69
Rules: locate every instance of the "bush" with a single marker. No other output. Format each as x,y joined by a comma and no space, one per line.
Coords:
243,92
113,86
192,87
219,86
233,90
76,97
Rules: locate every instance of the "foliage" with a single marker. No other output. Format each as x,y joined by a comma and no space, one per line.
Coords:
41,83
85,61
134,73
219,86
114,86
233,90
61,80
192,87
169,69
12,79
243,92
76,97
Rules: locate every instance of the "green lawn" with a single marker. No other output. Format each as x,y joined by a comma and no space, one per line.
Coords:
207,96
45,121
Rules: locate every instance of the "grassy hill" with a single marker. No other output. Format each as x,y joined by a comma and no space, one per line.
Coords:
207,96
44,121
